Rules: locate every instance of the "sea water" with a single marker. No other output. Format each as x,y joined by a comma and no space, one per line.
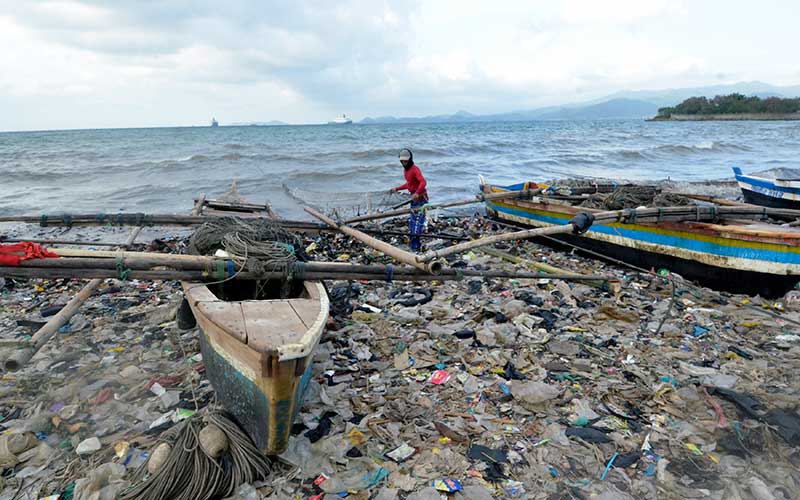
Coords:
160,170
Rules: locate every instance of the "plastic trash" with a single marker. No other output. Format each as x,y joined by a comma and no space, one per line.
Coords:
88,446
535,393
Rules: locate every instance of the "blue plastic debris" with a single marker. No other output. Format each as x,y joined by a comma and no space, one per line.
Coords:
608,466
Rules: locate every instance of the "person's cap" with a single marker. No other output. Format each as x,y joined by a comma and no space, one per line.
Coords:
405,154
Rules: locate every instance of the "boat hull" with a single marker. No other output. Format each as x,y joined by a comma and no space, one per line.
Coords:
721,257
776,193
265,407
765,200
258,379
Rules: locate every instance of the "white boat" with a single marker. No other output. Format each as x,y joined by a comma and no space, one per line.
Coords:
341,120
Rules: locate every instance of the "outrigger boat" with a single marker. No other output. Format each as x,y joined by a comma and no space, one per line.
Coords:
779,193
752,257
257,347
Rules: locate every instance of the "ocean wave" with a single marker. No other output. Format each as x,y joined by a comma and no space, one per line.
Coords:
664,151
353,173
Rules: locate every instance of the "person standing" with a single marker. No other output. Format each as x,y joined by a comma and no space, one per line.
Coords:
416,185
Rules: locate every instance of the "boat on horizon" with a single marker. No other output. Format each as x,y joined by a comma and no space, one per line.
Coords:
746,255
341,120
214,122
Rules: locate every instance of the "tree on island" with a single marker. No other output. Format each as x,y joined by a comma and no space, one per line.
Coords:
731,104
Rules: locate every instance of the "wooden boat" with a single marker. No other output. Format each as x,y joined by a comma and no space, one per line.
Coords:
746,257
257,349
779,193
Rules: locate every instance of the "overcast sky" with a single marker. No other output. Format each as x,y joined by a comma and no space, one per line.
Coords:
92,63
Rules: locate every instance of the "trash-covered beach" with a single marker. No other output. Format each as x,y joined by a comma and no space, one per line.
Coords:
641,386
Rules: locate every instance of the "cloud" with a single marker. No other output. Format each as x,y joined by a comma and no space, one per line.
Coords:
306,61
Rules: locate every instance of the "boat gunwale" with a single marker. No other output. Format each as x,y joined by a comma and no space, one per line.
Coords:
710,229
194,292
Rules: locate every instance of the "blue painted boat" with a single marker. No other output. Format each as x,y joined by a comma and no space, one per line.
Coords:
747,257
778,193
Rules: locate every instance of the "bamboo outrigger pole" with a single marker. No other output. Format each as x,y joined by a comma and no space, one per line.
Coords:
518,235
478,199
581,223
404,273
142,219
391,251
19,357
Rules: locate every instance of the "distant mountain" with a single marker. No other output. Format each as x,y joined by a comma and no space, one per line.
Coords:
623,104
614,108
270,123
671,97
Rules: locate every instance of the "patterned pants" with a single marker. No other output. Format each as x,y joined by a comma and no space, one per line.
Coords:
416,224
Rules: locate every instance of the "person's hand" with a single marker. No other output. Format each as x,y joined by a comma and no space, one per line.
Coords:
392,190
415,197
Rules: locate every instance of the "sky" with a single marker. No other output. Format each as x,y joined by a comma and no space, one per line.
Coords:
143,63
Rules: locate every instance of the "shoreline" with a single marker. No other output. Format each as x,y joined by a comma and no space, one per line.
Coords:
728,117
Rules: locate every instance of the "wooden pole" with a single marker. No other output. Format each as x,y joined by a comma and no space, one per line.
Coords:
21,356
518,235
405,273
611,284
140,219
391,251
478,199
59,242
711,199
198,205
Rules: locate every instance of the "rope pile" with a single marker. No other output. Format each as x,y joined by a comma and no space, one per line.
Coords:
633,196
188,472
260,245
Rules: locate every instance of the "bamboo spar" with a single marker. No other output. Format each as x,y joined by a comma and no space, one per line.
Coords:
518,235
391,251
406,273
19,357
478,199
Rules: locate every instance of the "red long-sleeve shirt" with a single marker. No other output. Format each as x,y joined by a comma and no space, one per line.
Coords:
415,182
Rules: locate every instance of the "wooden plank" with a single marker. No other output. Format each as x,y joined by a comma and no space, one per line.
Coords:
271,325
244,359
227,315
306,309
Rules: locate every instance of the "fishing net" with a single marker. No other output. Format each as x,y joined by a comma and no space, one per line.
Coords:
189,472
343,204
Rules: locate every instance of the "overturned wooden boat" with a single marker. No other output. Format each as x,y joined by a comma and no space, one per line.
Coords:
257,340
753,257
778,193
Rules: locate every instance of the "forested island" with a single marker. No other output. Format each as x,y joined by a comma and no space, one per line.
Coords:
732,107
